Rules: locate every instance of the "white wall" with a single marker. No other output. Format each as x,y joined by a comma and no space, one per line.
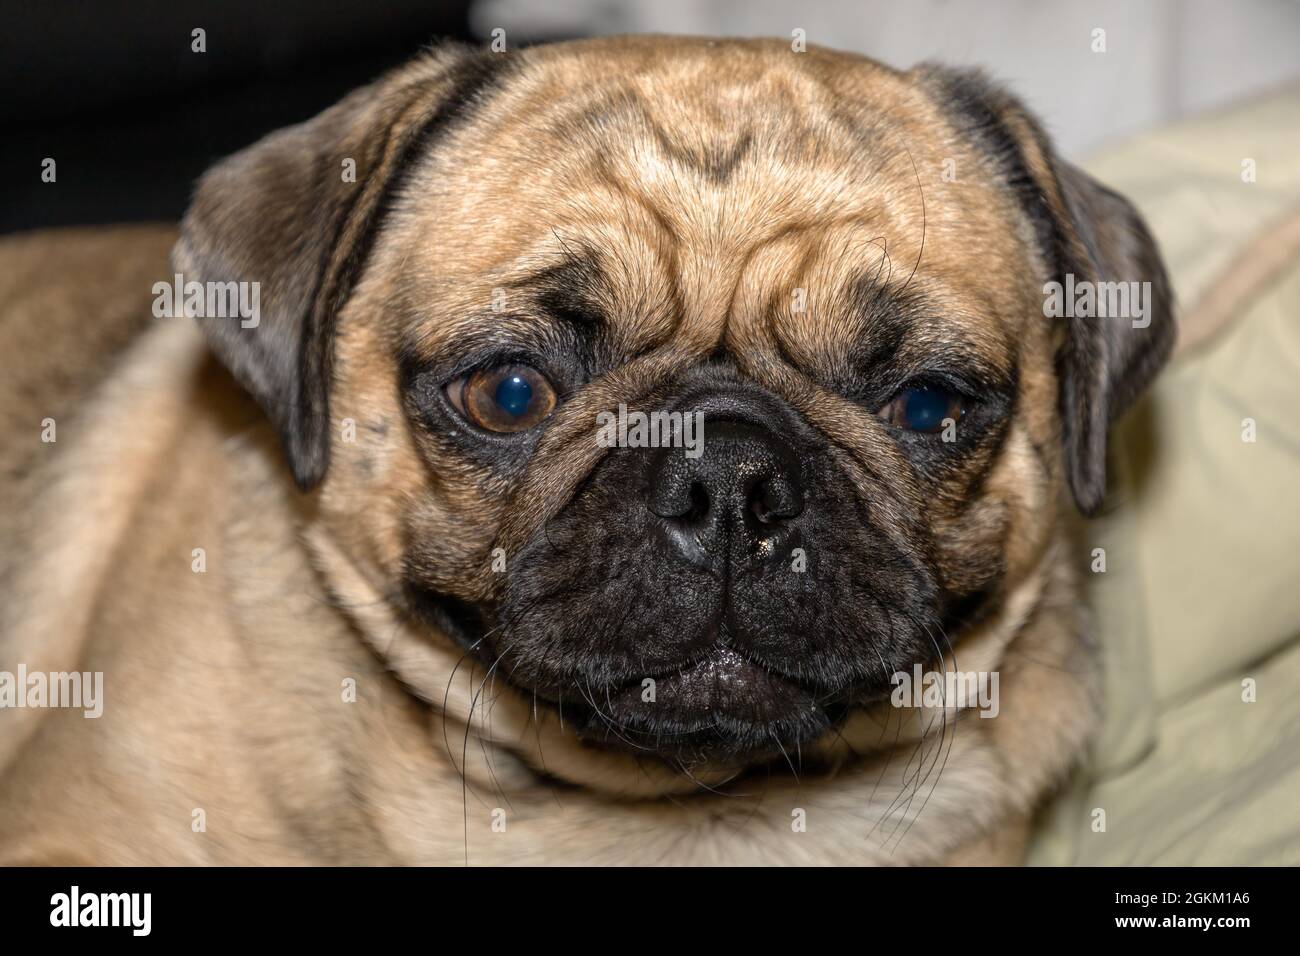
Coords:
1164,58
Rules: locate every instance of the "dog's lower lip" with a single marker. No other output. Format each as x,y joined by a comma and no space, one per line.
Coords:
723,681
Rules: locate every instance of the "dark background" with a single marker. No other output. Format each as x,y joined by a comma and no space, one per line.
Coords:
113,93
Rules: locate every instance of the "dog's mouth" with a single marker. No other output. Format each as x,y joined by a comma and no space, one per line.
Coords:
723,681
721,707
723,685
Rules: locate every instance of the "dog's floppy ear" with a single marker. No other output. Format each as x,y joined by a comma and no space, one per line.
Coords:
296,213
1091,234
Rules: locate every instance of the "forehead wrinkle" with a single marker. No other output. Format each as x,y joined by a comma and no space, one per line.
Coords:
868,323
609,256
810,237
918,326
806,161
825,260
568,290
784,156
667,249
421,344
768,309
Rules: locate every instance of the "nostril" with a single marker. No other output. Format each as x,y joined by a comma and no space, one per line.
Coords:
677,495
699,505
686,506
759,508
774,501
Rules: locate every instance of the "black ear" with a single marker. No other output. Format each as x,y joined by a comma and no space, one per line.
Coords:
1089,234
288,214
1107,362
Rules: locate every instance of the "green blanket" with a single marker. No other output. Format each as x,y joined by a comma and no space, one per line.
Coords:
1199,606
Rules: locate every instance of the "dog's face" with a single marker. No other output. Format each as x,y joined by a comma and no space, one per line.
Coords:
840,268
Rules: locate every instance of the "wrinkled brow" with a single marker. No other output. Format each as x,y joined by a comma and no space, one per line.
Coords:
571,291
887,331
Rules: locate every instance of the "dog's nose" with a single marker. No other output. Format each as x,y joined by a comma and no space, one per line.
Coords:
742,490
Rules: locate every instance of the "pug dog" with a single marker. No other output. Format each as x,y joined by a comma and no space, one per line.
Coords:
366,584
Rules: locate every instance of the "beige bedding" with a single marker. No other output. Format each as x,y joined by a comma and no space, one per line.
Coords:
1199,607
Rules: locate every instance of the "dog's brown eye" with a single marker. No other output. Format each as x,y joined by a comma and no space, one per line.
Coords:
508,398
922,408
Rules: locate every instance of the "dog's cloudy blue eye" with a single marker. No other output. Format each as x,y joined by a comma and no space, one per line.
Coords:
505,398
514,395
922,408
